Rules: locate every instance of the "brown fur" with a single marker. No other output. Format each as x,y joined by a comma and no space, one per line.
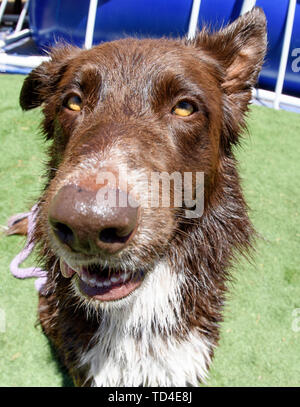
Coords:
129,88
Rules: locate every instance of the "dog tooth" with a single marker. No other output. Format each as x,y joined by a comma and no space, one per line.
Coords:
83,278
124,276
106,283
114,279
86,279
92,282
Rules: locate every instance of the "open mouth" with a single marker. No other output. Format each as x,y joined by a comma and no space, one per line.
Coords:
103,283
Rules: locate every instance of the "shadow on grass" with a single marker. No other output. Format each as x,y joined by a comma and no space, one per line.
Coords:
66,380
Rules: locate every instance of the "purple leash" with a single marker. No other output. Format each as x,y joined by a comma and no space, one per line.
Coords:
28,272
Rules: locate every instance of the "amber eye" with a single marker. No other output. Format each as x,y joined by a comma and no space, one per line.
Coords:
183,109
74,103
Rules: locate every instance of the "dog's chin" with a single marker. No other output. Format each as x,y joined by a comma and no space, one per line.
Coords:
103,285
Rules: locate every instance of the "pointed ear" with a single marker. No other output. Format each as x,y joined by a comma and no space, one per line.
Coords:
243,46
240,48
41,82
239,51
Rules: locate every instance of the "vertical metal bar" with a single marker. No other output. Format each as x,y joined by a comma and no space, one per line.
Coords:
90,26
247,6
22,17
284,52
2,8
194,19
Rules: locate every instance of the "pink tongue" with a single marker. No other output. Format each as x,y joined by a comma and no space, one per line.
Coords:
66,271
112,293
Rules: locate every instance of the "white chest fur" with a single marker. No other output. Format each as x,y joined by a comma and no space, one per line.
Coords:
134,344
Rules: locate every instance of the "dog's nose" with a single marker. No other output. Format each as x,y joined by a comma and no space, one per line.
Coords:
90,223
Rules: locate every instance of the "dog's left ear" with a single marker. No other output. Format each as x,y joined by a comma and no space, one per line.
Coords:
239,50
241,47
42,81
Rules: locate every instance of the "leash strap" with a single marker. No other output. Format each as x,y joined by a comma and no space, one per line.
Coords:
28,272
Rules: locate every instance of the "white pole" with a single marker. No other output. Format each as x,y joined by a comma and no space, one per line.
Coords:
14,37
20,61
90,26
2,8
285,52
266,95
22,17
247,6
194,19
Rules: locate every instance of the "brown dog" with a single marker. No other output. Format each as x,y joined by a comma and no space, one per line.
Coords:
135,291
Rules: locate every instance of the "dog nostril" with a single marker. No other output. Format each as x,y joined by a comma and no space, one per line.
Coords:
63,233
113,235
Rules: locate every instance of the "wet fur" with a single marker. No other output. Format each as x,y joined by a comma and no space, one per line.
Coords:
165,333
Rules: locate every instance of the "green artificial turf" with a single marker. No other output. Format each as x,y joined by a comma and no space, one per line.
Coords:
260,336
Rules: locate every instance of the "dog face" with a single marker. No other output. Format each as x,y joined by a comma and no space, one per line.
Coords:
119,113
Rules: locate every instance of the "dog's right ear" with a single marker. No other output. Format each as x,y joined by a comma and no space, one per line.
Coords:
42,81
